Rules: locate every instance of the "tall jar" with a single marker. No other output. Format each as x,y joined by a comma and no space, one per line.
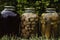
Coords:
10,21
49,21
29,22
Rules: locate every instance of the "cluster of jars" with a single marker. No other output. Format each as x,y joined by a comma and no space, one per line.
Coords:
28,24
47,24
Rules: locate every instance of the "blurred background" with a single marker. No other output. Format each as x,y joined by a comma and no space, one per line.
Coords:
40,5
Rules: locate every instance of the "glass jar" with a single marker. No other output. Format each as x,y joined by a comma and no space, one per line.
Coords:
49,21
10,21
29,22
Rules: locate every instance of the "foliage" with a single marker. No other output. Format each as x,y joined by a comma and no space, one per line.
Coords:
40,5
5,37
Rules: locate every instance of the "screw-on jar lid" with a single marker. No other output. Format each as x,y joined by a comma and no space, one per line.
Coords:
29,8
9,6
50,9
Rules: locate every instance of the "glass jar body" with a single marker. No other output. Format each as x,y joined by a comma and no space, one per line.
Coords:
9,21
29,22
49,21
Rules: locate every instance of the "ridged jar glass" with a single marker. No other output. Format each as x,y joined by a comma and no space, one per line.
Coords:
29,22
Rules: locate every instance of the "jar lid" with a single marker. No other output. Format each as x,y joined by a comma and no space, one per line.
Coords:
29,8
9,6
50,8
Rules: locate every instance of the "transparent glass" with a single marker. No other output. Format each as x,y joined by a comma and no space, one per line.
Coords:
29,22
49,21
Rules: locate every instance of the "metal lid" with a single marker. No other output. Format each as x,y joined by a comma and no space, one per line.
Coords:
9,6
29,8
50,9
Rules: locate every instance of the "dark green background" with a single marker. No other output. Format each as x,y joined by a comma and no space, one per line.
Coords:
40,5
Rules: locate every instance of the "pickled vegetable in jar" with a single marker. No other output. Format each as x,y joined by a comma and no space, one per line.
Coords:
29,22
